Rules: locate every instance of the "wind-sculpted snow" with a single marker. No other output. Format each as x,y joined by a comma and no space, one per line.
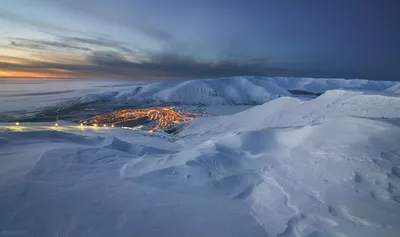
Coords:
337,178
67,187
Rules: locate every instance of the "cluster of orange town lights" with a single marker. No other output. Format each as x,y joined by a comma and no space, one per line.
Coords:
166,117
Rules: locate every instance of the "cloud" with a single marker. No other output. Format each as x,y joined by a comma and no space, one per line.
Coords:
176,66
99,42
72,43
113,64
153,32
45,45
29,45
135,20
38,25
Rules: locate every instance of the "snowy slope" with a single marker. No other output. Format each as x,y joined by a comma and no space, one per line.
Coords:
289,111
320,85
394,89
238,90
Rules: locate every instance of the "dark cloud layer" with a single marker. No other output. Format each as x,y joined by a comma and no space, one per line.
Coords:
99,42
175,66
112,61
73,43
45,45
101,64
113,64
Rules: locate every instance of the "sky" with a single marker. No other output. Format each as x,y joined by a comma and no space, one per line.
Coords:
160,39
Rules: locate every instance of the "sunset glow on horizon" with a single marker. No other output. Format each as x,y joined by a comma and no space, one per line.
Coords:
17,74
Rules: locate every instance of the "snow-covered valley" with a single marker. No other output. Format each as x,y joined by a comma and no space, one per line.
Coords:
266,163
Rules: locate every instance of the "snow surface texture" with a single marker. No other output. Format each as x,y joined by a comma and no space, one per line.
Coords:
324,167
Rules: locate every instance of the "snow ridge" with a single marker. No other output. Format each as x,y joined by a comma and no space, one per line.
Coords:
394,89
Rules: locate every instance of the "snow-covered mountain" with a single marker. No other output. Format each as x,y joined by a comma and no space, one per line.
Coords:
238,90
320,85
35,95
231,90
